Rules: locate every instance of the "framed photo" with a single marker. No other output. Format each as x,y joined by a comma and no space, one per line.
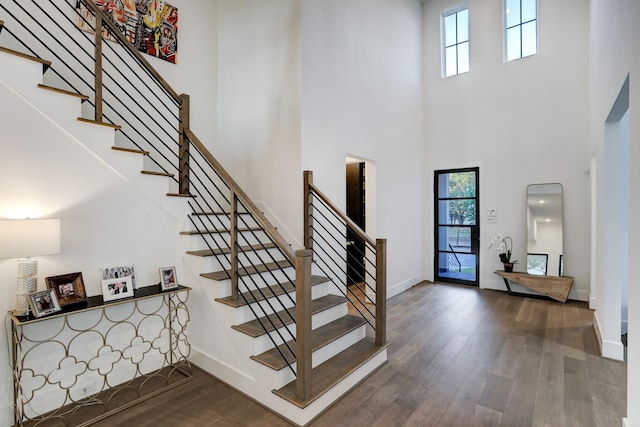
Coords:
122,271
69,288
43,303
168,278
537,264
118,288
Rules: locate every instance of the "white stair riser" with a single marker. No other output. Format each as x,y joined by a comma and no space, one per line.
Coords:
62,109
222,221
321,355
20,74
264,343
244,313
197,241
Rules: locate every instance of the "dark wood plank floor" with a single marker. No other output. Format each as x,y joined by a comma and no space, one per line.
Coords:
459,356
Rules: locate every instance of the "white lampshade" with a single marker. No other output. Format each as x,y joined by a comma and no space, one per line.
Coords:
23,238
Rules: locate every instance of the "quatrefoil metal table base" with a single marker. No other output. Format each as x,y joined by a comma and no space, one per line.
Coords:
84,364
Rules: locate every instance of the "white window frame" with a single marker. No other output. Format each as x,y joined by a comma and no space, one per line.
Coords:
443,49
504,32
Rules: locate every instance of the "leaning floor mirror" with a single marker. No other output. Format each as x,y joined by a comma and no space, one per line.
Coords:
544,230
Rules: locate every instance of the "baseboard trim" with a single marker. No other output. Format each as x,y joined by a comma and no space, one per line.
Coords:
579,295
613,350
220,370
625,422
403,286
596,329
246,385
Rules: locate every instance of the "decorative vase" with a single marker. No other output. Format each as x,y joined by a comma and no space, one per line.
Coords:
508,267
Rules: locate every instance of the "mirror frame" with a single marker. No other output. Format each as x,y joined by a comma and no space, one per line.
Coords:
554,214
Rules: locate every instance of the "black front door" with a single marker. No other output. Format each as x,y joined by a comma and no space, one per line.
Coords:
457,233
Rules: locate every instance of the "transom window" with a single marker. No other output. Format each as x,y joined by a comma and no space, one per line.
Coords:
521,28
455,40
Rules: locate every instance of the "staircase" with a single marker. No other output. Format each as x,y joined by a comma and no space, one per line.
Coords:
296,338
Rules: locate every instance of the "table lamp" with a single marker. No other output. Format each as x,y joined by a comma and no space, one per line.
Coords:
23,239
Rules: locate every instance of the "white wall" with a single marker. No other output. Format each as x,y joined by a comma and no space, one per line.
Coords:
196,69
104,220
361,95
522,122
615,54
258,101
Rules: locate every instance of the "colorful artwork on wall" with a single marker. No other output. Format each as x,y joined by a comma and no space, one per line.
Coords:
150,25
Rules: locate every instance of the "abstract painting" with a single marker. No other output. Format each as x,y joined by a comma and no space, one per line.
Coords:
150,25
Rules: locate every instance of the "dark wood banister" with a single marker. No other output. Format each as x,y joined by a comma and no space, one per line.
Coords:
235,188
380,246
242,196
342,216
115,32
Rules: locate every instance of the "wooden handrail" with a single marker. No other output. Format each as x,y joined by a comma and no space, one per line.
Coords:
242,196
115,32
342,216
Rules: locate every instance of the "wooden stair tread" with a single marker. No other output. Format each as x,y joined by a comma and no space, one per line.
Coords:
216,231
130,150
223,251
554,287
333,371
180,195
46,64
319,338
216,213
64,92
254,329
157,173
95,122
245,271
267,292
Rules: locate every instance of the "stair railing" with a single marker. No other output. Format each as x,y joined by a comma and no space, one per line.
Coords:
123,88
152,118
326,231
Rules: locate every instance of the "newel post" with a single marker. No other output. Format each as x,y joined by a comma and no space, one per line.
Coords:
98,68
303,324
308,210
381,291
183,142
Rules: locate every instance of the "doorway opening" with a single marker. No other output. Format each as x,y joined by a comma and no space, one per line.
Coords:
616,227
360,208
457,232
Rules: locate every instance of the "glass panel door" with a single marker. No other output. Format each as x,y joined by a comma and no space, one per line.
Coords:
457,233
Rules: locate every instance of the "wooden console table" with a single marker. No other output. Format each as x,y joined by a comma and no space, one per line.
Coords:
556,288
85,363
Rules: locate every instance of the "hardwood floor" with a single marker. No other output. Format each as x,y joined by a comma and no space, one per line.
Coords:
459,356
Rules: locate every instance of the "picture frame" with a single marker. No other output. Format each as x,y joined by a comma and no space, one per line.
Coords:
121,271
537,264
117,288
43,303
168,279
69,288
